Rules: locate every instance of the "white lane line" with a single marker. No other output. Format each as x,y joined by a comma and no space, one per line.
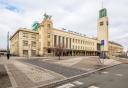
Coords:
77,82
68,85
119,75
105,72
93,87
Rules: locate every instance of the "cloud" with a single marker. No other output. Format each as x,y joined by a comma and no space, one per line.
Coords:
76,15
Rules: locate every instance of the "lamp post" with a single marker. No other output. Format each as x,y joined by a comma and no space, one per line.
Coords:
8,51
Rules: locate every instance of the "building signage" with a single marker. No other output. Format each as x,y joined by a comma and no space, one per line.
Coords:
102,42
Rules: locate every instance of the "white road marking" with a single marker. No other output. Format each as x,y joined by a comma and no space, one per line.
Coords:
105,72
69,85
93,87
77,82
119,75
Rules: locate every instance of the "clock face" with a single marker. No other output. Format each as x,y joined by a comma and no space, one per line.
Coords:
103,13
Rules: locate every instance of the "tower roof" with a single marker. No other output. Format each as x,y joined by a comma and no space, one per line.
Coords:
103,13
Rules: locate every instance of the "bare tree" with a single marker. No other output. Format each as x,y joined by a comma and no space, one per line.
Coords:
60,49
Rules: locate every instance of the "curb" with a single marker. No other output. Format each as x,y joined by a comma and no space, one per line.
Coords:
57,83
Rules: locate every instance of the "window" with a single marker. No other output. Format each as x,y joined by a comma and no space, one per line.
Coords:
25,35
33,44
73,40
33,36
25,43
48,35
76,40
73,46
48,43
33,52
49,25
55,37
59,42
63,42
49,51
66,42
25,52
101,23
70,42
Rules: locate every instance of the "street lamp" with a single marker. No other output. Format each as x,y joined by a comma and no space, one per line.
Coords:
8,51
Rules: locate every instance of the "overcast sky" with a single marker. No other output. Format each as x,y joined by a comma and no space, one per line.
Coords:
76,15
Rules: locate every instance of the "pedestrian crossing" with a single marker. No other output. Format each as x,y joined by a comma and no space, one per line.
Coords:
71,85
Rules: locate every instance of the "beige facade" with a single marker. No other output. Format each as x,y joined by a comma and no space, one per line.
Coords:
103,32
115,49
48,41
24,43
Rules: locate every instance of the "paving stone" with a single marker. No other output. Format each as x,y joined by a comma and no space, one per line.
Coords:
21,79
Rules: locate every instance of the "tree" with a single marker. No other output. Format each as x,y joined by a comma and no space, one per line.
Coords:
59,49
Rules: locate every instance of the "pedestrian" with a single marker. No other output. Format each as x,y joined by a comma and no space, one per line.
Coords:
8,56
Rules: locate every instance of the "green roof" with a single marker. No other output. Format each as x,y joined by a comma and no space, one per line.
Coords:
103,13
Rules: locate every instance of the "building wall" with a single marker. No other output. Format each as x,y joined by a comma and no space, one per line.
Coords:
103,32
115,49
14,49
24,43
49,40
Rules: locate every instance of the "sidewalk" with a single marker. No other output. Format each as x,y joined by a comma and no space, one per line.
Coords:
24,75
85,63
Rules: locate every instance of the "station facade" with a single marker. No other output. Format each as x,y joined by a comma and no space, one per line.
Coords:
45,40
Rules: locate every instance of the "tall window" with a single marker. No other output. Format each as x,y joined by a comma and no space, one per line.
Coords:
49,25
48,43
33,52
59,40
48,35
63,41
101,23
66,42
55,38
25,34
33,43
25,43
70,43
25,52
33,36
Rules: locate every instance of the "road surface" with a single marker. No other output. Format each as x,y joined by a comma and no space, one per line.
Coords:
114,77
65,71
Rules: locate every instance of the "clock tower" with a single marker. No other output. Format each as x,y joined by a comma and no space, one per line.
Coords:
102,31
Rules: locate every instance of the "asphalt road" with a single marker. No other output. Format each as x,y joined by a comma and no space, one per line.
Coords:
65,71
114,77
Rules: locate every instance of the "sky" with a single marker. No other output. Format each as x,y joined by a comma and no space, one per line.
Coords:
77,15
